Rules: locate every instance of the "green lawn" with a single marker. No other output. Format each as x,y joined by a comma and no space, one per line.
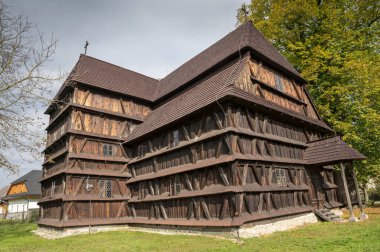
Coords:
361,236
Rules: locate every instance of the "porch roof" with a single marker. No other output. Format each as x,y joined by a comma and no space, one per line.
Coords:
330,151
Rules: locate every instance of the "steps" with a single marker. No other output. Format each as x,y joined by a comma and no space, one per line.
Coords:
326,215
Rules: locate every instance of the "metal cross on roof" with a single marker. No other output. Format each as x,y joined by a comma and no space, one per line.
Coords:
85,48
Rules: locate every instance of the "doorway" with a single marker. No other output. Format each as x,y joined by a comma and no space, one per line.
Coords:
317,190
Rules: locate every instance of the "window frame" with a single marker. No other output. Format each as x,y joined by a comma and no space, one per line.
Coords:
279,83
105,189
280,175
140,151
52,188
175,185
109,187
108,150
143,190
176,139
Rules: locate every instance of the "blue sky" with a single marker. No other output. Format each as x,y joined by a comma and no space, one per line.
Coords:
146,36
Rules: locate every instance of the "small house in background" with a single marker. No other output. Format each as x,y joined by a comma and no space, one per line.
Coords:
3,203
23,195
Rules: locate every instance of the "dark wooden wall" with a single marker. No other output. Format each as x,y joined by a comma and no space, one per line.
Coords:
224,168
259,79
84,160
216,167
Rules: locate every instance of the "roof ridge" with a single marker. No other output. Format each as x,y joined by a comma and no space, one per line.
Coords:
160,94
202,51
112,64
244,36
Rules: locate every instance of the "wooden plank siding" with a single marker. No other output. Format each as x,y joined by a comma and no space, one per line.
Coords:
100,100
234,191
261,80
84,159
244,187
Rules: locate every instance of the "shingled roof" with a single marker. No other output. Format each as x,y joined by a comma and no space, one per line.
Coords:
245,36
101,74
107,76
205,92
329,151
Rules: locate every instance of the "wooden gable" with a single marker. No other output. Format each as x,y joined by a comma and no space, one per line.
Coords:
261,80
17,188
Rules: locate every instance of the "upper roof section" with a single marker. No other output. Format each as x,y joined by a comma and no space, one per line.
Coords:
107,76
245,36
98,73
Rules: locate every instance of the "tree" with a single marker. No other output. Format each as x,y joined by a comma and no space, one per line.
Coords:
24,87
336,47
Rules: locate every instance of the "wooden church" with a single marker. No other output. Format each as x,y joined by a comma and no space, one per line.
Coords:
228,139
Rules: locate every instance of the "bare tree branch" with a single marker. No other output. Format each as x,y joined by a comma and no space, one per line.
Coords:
24,86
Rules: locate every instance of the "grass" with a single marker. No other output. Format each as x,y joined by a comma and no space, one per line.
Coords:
361,236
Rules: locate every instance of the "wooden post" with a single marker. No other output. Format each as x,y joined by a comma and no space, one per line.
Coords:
352,217
363,216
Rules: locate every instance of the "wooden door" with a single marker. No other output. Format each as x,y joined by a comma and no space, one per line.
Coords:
317,191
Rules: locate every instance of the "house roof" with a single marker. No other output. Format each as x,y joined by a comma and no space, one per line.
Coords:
31,181
329,151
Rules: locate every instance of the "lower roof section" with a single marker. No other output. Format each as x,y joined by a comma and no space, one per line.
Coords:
330,151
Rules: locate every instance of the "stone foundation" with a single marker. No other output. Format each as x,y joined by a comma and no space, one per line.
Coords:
52,233
275,225
220,232
249,230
